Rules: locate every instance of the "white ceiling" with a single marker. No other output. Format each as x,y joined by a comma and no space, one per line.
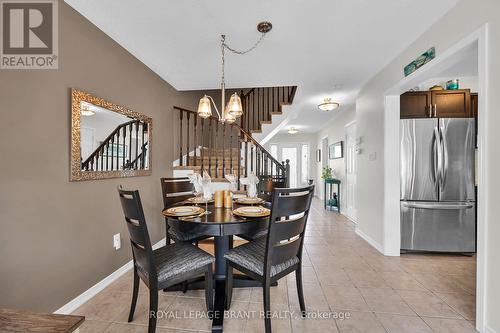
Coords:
326,48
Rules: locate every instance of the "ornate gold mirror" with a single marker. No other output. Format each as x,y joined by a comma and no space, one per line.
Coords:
107,140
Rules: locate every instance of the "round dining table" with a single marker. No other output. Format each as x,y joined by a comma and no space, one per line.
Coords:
222,224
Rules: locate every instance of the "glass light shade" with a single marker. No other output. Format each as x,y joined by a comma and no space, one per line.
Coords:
234,105
204,107
328,105
86,111
229,117
293,130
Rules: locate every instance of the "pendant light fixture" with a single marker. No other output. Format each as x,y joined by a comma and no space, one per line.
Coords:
293,130
233,109
86,111
328,105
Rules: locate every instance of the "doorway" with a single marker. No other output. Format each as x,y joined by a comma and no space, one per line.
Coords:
351,171
392,230
298,156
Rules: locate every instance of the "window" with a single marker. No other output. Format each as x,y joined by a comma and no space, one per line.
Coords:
274,151
305,163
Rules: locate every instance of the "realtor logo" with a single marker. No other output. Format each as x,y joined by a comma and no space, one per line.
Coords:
28,34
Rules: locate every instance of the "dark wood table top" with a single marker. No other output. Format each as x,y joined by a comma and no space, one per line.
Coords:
220,222
217,215
26,321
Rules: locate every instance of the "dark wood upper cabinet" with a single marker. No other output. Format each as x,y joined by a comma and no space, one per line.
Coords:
452,103
415,104
437,104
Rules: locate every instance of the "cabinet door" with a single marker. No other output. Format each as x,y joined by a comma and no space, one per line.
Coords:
452,103
415,104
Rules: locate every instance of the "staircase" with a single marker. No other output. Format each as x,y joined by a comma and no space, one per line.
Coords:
124,149
221,148
261,104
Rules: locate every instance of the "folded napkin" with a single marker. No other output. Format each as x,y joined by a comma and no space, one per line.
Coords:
232,181
195,179
206,183
251,182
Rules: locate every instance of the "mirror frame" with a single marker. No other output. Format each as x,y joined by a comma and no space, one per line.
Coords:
77,174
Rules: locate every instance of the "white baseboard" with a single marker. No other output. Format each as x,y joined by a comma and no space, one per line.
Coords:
488,329
75,303
369,240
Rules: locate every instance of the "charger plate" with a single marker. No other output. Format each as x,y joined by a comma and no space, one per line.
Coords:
183,211
254,211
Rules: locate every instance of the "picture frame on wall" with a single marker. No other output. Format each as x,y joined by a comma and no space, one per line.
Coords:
336,150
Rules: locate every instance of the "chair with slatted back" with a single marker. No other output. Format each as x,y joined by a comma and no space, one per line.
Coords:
175,190
265,189
270,258
163,267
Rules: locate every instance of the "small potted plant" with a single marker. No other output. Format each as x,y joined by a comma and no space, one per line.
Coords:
327,173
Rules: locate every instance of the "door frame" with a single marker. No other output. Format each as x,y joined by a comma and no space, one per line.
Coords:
392,232
324,163
346,190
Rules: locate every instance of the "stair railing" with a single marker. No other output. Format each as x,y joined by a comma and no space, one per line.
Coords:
261,103
222,148
112,154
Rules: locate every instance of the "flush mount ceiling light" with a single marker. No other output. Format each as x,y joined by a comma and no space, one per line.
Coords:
233,108
87,111
293,130
328,105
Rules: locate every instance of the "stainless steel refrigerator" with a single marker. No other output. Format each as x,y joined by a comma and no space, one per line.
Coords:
438,201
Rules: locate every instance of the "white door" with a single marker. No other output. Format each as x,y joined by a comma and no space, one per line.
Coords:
351,170
298,155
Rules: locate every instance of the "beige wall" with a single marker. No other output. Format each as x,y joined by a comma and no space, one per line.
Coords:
56,236
335,132
464,19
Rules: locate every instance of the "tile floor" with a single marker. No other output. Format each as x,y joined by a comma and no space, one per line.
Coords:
343,275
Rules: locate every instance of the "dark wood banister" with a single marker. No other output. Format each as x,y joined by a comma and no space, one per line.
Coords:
245,133
105,141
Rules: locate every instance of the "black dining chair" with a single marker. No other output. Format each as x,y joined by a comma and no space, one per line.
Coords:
175,190
265,189
163,267
270,258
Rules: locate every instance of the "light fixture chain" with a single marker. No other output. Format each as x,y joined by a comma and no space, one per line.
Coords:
245,51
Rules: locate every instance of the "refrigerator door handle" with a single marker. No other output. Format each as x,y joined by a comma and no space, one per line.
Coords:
444,159
438,158
447,206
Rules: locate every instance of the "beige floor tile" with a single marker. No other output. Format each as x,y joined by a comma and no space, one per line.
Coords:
403,324
425,303
105,306
308,276
125,283
362,278
313,297
345,298
279,293
141,314
439,283
186,313
445,325
328,275
236,317
93,326
401,280
385,301
313,325
461,303
360,322
280,324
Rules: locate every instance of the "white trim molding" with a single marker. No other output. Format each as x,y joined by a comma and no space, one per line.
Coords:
78,301
369,240
488,329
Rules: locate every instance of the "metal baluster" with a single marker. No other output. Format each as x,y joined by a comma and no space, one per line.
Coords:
223,150
216,151
143,146
202,153
251,158
210,134
112,152
246,156
136,143
231,152
195,137
124,145
130,146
